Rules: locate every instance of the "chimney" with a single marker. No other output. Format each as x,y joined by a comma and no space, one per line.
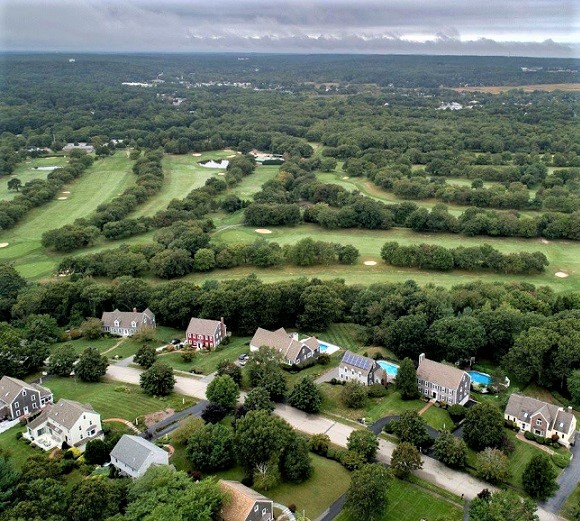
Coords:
570,409
222,320
421,358
134,310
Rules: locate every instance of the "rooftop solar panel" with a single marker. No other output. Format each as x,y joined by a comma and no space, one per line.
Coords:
357,361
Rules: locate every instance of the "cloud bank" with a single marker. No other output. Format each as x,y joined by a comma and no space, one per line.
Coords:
494,27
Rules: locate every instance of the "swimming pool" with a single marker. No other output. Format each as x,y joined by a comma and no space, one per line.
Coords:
389,367
328,348
480,378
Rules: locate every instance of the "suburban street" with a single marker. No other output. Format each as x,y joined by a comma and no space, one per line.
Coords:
456,482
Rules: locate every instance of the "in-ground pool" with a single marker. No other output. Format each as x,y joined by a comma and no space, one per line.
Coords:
328,348
480,378
390,368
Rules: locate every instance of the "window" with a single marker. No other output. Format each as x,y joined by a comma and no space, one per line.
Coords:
16,404
33,406
116,323
526,415
92,432
23,392
256,508
33,397
133,324
18,413
538,422
264,511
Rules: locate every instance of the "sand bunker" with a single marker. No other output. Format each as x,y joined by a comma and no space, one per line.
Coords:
233,155
223,163
66,192
62,198
370,263
544,241
221,173
263,230
196,155
345,177
47,168
561,274
3,244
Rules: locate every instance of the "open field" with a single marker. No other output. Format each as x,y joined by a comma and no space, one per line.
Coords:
572,502
99,184
548,87
26,171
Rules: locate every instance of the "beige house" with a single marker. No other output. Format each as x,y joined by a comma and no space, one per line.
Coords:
293,351
442,382
361,369
541,418
20,399
67,422
244,503
127,323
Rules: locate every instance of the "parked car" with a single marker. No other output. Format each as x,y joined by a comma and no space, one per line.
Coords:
175,341
243,356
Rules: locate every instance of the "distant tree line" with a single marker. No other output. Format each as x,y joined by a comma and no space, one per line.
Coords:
476,258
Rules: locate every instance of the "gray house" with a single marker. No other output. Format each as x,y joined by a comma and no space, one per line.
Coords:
244,503
361,369
127,323
442,382
18,398
293,351
133,455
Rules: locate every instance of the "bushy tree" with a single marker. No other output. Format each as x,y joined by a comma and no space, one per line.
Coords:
406,381
223,391
96,452
19,357
258,399
493,465
539,477
319,443
366,498
41,327
295,464
450,450
263,369
158,380
232,370
503,505
363,442
412,428
91,365
186,429
146,356
8,481
62,359
214,413
574,386
353,395
91,328
405,459
211,448
483,426
306,396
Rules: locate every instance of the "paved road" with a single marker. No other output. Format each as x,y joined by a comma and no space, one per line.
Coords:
567,480
433,471
171,423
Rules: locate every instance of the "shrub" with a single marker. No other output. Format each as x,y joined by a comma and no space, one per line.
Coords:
529,435
376,391
323,359
319,444
351,460
457,412
560,460
187,356
292,507
354,395
18,435
390,427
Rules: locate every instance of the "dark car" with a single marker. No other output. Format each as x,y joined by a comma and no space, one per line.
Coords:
176,341
243,357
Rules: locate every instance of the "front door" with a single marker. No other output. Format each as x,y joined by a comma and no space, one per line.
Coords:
434,394
25,410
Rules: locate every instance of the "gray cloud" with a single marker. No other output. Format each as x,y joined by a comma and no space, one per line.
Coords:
523,27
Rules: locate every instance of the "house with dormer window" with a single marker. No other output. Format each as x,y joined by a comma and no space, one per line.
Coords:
127,323
20,399
442,382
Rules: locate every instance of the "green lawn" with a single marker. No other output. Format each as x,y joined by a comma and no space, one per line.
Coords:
112,400
410,502
102,344
16,450
438,418
99,184
343,335
26,171
572,502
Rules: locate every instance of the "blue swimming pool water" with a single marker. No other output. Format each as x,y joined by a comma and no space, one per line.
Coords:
480,378
390,368
323,347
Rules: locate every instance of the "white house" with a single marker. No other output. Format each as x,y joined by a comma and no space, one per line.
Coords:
127,323
361,369
133,455
67,422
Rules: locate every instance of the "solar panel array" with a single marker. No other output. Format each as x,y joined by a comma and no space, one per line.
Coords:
357,361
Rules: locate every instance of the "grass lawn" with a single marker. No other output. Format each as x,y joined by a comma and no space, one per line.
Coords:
102,344
572,502
26,171
343,335
411,502
112,400
15,449
99,184
437,418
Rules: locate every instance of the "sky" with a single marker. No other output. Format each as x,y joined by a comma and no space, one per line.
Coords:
484,27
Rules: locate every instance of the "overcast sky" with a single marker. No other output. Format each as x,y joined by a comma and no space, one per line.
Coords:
484,27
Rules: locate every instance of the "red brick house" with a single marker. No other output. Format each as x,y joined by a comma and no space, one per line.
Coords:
204,333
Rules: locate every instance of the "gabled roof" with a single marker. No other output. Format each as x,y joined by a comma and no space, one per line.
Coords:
524,407
283,342
241,501
11,387
125,318
362,363
202,326
133,451
440,374
65,413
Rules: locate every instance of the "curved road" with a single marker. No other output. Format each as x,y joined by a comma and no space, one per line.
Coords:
456,482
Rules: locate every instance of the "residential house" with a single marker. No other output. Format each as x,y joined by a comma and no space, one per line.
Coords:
18,398
204,333
127,323
68,422
541,418
361,369
293,351
244,503
442,382
85,147
133,455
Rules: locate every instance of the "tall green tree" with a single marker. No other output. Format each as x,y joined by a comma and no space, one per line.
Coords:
502,506
145,356
574,386
41,327
223,391
62,359
412,428
450,451
306,396
97,499
483,426
211,448
363,442
366,498
493,465
8,481
405,459
158,380
91,365
258,399
539,477
295,462
406,381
